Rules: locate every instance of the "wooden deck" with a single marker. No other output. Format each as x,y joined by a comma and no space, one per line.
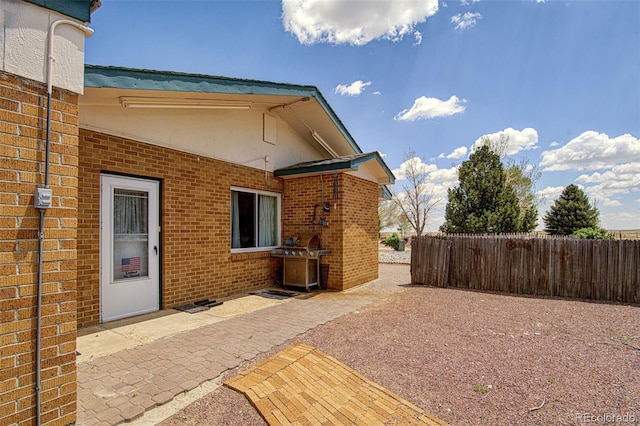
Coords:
304,386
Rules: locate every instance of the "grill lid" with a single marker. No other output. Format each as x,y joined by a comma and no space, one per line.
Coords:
308,241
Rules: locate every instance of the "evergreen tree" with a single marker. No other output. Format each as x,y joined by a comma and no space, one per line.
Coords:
482,202
570,212
522,177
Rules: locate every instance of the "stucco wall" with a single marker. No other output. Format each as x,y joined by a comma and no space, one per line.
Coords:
235,136
23,45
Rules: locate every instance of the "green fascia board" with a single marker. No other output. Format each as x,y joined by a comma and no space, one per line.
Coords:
335,165
130,78
392,177
78,9
344,165
352,142
386,193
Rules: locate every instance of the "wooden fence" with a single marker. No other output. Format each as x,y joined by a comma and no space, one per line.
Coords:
564,267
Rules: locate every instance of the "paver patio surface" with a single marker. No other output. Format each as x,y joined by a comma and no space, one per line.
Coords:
122,386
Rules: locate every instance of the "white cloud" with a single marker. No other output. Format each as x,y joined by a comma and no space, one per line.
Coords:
605,187
354,22
353,89
456,154
377,92
518,140
592,151
552,144
629,172
550,193
438,180
418,36
400,173
444,178
424,108
466,20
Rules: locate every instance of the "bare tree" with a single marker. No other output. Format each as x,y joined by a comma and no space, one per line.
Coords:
418,197
388,215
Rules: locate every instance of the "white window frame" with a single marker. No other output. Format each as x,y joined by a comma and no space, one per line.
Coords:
257,192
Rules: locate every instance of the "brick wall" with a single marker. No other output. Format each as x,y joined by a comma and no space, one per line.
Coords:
351,235
360,231
195,215
302,197
22,135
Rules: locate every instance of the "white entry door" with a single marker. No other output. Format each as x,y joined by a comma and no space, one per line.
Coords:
129,247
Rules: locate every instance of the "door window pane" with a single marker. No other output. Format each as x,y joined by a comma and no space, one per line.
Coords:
130,234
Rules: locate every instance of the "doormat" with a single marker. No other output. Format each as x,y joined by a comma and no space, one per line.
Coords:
199,306
303,385
275,294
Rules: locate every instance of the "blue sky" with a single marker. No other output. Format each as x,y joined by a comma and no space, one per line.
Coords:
560,79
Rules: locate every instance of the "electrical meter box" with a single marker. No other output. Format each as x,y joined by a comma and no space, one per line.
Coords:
42,198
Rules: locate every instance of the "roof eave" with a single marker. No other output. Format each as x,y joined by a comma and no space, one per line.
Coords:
97,76
314,170
385,193
142,79
77,9
337,166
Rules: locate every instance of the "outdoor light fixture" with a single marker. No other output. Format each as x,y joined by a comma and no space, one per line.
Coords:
324,144
174,103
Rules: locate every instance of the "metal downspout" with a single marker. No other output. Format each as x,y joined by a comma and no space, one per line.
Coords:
42,201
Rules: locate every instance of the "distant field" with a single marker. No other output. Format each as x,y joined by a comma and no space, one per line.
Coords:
621,234
631,234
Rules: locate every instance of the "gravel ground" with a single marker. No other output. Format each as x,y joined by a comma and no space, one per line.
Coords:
475,358
392,256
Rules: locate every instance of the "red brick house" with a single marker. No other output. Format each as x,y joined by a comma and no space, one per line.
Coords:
126,191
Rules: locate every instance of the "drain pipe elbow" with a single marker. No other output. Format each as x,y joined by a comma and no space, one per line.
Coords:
88,32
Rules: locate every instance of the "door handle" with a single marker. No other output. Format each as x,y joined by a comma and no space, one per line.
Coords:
155,249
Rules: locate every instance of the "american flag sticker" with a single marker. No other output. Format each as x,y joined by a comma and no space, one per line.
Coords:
131,266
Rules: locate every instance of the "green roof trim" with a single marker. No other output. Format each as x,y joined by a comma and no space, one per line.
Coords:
386,193
348,162
130,78
78,9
